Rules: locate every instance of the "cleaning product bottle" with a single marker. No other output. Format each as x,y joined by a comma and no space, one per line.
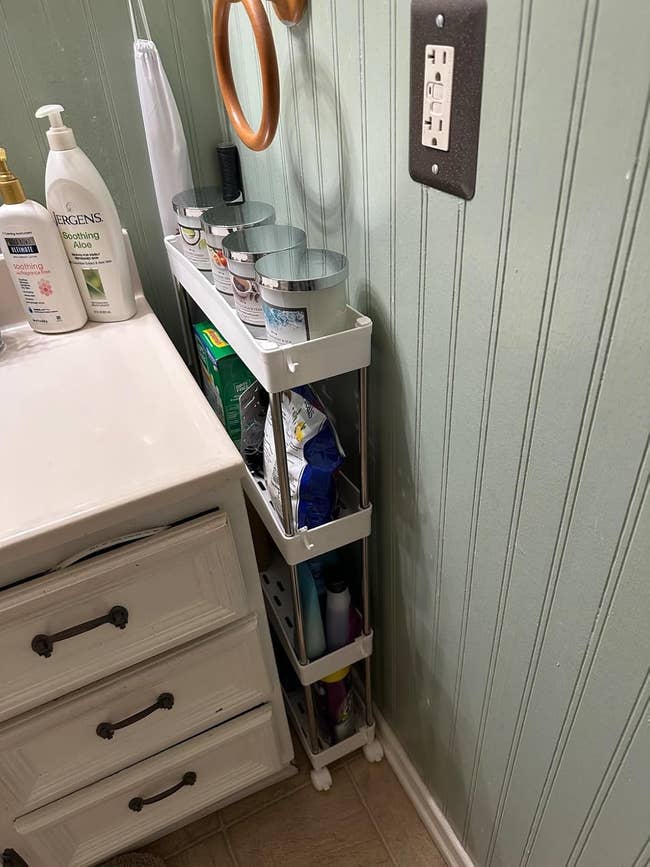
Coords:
337,703
337,618
311,616
88,222
37,261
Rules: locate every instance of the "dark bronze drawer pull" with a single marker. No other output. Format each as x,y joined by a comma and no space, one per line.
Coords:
136,804
106,730
118,616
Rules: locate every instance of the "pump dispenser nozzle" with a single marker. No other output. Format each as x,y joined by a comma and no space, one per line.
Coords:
59,136
11,189
54,114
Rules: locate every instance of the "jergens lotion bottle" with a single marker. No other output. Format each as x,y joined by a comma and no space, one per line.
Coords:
89,224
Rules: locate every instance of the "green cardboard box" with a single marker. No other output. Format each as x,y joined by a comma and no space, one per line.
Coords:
225,376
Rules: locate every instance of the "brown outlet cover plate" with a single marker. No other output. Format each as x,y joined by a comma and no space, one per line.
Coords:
463,28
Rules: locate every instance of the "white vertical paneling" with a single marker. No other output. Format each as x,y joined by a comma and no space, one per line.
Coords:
245,69
324,80
544,145
481,252
303,132
277,161
605,699
586,291
623,336
440,307
351,135
616,828
408,276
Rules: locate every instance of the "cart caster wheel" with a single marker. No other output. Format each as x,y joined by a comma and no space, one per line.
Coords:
374,752
321,779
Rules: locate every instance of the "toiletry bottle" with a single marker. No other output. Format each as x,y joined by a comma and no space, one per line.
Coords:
39,267
321,567
89,225
337,618
338,703
311,616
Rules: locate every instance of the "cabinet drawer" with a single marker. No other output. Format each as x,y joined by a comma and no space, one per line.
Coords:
172,587
57,749
99,821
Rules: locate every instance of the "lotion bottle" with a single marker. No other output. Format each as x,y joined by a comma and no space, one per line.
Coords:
37,262
90,227
337,617
311,616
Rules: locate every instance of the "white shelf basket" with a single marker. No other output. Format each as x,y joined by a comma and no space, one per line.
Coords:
277,368
276,584
327,754
352,524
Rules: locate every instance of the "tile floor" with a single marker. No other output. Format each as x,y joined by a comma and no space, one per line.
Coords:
364,820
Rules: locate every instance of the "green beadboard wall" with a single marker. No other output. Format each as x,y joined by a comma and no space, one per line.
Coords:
511,406
510,396
80,53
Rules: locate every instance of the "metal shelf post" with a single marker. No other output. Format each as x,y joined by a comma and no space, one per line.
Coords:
183,306
289,527
365,553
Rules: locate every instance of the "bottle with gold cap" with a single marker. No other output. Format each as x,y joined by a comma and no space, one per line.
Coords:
37,261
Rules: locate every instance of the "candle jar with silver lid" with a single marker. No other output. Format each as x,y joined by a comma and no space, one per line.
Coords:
303,293
221,221
242,250
188,206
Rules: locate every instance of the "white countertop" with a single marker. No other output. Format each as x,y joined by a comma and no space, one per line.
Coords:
98,427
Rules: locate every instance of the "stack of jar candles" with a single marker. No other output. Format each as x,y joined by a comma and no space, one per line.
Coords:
281,290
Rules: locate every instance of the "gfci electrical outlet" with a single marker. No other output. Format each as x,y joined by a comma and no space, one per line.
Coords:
447,47
436,100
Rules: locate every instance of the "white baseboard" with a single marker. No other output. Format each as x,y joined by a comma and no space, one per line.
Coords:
442,834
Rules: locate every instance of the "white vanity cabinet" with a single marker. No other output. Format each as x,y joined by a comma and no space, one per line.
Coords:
125,606
85,736
114,813
138,689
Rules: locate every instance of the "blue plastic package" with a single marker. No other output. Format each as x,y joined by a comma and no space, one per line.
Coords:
314,455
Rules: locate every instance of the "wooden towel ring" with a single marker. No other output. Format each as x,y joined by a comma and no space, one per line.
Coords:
290,12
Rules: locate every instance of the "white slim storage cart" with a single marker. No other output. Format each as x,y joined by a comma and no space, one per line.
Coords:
280,368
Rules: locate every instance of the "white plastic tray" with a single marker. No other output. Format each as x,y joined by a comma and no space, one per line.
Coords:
327,754
276,584
353,524
277,368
